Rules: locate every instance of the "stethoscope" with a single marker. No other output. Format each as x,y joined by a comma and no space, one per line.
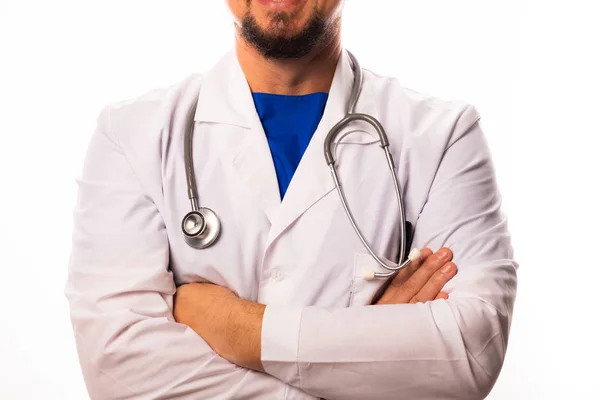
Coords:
201,226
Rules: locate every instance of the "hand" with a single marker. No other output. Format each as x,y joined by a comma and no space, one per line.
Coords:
421,280
231,326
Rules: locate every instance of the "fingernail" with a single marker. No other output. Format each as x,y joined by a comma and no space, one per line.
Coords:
443,254
447,268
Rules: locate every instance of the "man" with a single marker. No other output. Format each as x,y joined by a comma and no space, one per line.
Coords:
278,307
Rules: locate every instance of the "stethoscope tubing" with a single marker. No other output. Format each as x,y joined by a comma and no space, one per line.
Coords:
210,229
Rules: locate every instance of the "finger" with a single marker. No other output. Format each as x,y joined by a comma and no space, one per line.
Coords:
435,284
402,276
415,283
442,295
411,268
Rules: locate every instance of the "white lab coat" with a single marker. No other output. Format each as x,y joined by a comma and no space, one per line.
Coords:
299,256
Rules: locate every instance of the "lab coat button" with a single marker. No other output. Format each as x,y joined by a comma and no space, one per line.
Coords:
276,275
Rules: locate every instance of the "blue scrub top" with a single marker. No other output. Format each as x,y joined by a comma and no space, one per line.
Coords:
289,123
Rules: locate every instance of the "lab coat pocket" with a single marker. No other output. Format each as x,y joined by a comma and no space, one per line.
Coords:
363,290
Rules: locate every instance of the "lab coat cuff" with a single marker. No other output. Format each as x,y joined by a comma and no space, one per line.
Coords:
279,341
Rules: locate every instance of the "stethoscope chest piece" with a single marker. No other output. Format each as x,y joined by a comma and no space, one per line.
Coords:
201,228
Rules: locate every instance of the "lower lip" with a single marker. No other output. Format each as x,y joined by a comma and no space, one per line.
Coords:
279,5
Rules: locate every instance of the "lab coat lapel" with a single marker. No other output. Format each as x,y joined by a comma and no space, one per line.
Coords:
312,180
225,100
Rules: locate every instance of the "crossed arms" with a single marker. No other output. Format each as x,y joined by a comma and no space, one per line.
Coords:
131,346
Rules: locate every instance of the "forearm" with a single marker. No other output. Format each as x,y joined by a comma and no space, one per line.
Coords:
442,349
230,325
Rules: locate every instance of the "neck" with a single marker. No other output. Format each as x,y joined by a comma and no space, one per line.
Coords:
310,74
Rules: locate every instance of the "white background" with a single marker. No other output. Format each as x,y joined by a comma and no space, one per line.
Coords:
530,67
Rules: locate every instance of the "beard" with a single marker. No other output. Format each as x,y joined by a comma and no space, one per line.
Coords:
278,45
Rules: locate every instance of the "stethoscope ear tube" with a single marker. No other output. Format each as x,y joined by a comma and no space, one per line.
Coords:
384,143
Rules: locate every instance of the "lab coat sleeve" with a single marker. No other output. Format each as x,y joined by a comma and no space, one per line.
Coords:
120,293
437,350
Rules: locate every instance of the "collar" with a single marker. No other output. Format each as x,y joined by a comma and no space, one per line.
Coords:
225,96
